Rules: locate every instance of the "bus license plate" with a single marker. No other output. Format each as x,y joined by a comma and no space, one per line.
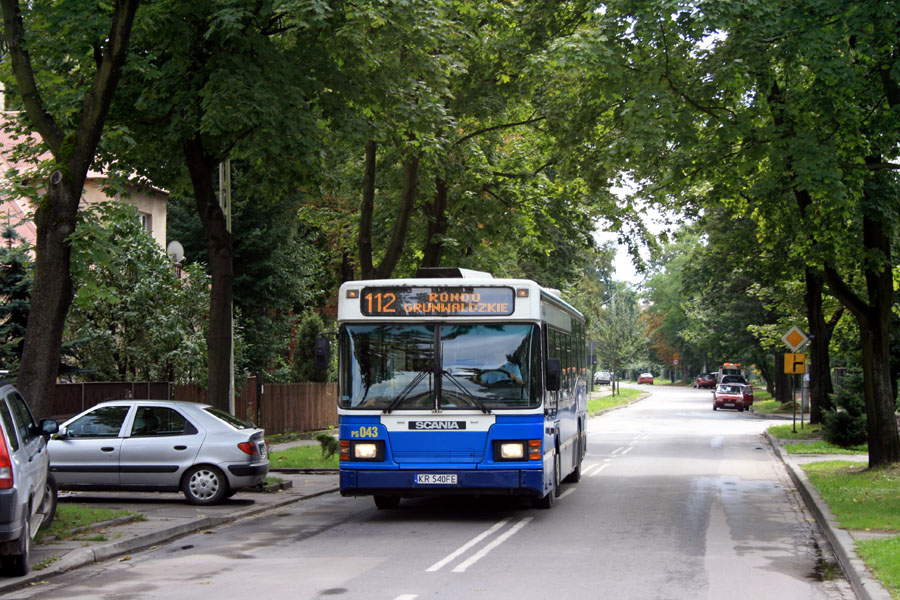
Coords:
436,478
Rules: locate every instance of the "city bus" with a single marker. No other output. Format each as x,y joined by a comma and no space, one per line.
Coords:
454,382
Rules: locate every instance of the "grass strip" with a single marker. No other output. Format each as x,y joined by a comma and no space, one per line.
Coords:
786,432
625,396
72,519
823,448
883,558
859,497
302,457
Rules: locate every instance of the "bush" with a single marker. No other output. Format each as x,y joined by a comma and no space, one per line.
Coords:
846,425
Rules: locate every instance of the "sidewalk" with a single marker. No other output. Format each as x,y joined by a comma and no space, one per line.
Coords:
167,516
842,541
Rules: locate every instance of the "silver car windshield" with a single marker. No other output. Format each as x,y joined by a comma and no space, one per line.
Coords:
451,366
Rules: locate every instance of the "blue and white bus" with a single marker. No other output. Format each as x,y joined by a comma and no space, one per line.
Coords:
454,382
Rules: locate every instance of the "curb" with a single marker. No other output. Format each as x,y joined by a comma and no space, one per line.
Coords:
87,555
864,585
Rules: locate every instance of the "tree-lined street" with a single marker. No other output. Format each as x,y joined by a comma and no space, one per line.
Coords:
676,501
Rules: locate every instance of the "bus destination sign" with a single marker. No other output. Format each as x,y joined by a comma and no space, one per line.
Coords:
436,302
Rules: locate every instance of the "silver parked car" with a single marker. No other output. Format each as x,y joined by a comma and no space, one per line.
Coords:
27,491
159,445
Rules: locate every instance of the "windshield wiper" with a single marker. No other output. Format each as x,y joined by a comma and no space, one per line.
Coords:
406,391
466,392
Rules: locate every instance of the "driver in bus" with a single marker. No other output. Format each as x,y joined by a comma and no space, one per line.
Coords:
509,371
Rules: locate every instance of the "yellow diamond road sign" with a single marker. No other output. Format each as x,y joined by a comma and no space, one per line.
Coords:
794,338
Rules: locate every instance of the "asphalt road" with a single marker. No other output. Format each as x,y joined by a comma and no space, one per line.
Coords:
677,501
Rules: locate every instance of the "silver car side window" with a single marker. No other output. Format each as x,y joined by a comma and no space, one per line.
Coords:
160,421
105,421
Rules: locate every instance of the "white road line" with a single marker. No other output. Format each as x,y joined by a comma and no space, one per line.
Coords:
407,597
590,468
467,545
566,493
617,450
484,551
597,472
627,450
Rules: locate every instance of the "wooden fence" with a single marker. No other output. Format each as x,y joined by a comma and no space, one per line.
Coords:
281,408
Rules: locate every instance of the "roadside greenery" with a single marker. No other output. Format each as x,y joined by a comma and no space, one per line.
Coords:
624,397
302,457
73,520
883,557
859,497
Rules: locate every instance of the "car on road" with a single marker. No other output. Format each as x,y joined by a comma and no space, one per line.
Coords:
733,379
705,380
602,378
159,445
27,490
730,395
646,378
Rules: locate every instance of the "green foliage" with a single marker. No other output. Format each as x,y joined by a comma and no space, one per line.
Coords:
882,556
329,443
302,457
15,293
134,318
846,425
304,366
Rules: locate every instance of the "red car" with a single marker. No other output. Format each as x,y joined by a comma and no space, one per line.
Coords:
646,378
705,380
731,395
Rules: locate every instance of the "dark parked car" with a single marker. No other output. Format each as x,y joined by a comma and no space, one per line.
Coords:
158,445
27,490
730,395
705,380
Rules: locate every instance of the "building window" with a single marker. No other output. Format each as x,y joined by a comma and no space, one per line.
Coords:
146,222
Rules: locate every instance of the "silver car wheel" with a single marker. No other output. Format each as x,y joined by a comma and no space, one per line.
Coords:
205,485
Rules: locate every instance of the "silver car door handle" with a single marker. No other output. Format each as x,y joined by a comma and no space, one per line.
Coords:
180,447
107,449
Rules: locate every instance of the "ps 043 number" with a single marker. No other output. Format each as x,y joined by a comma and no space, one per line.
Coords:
365,432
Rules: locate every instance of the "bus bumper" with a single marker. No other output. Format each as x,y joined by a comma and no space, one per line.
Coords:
513,482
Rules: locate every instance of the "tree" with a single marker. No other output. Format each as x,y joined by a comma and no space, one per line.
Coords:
783,112
135,319
217,82
621,336
45,44
15,292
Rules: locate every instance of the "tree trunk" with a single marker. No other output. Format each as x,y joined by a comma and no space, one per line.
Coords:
820,388
55,217
401,225
366,211
50,298
874,319
437,226
219,252
782,380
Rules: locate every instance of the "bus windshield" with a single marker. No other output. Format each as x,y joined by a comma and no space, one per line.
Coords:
433,366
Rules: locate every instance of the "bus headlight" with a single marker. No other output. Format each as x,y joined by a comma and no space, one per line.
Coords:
372,451
512,450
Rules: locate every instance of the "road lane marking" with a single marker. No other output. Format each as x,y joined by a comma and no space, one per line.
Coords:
617,450
484,551
627,450
566,493
590,468
597,472
407,597
466,546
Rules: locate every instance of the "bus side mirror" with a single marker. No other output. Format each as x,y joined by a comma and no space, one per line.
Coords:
554,370
322,353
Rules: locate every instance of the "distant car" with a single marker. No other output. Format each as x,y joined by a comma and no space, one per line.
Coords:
705,380
602,378
748,396
646,378
27,490
730,395
733,379
159,445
